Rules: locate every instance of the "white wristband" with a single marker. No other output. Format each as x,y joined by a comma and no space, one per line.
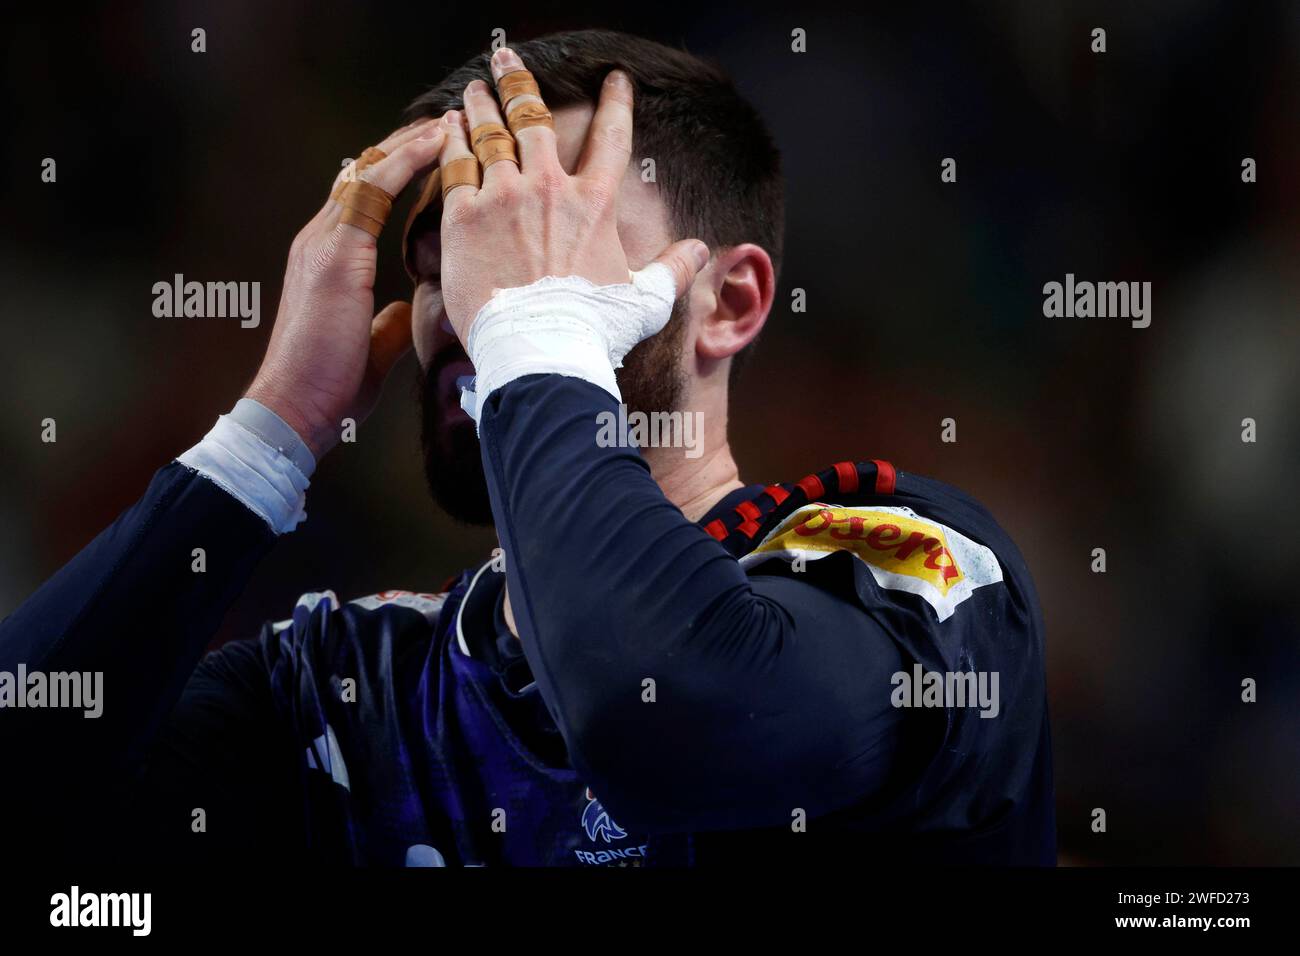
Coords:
565,325
247,468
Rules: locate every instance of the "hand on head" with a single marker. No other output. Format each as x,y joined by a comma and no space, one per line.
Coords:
528,218
511,215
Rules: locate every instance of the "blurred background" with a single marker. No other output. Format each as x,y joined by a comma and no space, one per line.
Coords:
924,303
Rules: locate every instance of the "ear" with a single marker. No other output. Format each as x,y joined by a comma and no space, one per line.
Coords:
740,285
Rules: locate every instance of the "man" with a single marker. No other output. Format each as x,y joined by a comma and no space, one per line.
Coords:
664,666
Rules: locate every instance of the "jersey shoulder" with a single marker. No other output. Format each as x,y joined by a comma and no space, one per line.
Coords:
909,534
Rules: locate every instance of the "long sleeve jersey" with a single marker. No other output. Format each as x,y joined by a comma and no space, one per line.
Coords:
847,665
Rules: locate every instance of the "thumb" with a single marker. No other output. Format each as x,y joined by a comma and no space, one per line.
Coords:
390,337
684,260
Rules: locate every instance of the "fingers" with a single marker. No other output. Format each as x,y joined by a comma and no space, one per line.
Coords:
684,260
608,149
371,154
407,133
491,142
412,156
455,147
364,204
525,113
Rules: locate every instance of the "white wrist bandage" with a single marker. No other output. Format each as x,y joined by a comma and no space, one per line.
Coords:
565,325
266,481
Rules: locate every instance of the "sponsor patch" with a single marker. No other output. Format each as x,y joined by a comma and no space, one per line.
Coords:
904,551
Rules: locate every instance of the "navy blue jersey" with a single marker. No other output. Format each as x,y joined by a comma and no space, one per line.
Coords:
428,755
851,664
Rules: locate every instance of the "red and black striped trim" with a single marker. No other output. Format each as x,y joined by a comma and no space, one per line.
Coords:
742,528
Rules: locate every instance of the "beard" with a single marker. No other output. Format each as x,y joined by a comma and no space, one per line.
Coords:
650,380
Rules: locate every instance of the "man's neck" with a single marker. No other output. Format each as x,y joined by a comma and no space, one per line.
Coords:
695,478
694,484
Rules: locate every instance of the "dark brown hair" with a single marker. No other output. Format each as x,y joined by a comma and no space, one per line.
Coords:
716,166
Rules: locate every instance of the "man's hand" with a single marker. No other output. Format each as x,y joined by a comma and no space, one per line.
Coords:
327,358
535,220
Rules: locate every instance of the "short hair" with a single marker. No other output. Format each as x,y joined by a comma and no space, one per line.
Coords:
716,165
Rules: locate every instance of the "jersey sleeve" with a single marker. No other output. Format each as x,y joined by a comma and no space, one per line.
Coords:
691,694
125,622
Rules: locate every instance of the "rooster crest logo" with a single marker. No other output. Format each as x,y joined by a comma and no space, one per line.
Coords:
596,821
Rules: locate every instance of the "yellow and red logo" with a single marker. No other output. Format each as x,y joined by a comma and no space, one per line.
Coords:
893,542
904,551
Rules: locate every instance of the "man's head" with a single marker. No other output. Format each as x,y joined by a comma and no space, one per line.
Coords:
703,166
